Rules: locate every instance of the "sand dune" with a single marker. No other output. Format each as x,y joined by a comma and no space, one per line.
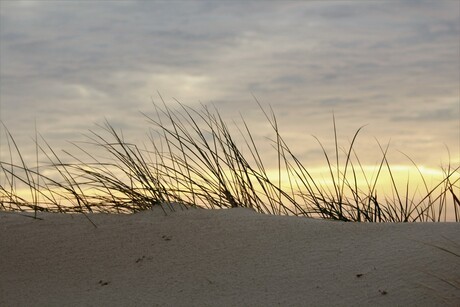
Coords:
233,257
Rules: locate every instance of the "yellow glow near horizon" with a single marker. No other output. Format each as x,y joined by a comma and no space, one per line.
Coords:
399,171
409,180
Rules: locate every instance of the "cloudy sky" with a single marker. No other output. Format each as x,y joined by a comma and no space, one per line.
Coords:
391,65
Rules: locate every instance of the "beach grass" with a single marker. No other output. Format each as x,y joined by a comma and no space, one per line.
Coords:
193,157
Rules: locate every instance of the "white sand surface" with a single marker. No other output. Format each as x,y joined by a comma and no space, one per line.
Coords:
233,257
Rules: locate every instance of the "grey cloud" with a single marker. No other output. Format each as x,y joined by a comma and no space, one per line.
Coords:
62,60
290,79
337,101
435,115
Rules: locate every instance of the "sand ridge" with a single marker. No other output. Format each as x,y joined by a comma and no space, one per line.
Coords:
232,257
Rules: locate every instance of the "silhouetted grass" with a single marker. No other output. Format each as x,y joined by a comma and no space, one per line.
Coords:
192,157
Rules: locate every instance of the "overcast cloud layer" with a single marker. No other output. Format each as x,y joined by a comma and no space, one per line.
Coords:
393,65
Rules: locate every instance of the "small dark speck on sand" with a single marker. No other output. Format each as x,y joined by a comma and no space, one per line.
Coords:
103,283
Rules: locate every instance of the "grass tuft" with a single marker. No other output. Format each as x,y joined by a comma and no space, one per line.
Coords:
193,157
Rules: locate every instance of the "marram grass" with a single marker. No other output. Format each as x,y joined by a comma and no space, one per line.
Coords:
193,158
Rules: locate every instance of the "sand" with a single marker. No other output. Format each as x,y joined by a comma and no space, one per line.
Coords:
233,257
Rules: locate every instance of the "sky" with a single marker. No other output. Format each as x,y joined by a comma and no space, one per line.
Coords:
394,66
